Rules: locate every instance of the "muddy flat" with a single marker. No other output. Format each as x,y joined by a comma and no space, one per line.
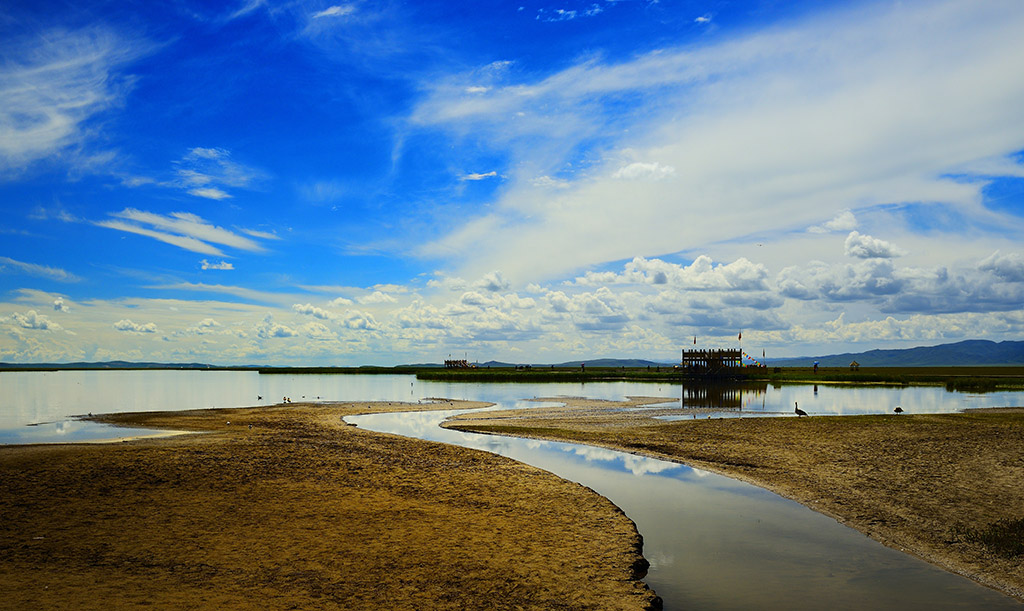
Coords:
914,482
287,507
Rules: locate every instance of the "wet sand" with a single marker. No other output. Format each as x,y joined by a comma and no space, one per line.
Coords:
301,511
905,480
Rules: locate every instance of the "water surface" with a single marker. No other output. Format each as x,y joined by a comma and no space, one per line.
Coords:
717,543
51,399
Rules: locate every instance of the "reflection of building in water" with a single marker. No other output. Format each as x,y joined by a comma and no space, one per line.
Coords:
723,396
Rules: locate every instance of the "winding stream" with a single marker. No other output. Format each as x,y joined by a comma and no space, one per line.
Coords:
713,542
717,543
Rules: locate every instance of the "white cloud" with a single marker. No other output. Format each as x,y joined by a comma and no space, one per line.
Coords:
208,172
54,81
128,326
34,269
182,229
702,274
335,11
220,265
311,310
268,329
844,221
60,306
741,119
706,18
546,182
490,174
32,320
376,297
1008,267
209,193
644,171
867,247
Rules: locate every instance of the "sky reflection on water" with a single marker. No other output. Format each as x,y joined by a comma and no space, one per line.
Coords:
716,543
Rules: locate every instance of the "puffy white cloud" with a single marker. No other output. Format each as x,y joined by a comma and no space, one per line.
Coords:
356,319
867,247
268,329
60,306
311,310
32,320
702,274
316,330
220,265
1008,267
376,297
844,221
126,325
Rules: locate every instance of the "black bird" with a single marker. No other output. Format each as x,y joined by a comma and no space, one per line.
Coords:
799,412
898,410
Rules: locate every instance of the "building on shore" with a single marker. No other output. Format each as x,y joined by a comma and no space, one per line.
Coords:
711,362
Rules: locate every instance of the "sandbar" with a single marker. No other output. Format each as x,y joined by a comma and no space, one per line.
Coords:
287,507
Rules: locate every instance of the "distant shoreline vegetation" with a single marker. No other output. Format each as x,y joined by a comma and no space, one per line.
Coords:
959,379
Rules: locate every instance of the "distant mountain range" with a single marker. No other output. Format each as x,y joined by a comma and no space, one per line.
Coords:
969,353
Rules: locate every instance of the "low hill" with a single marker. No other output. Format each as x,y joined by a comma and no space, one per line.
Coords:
969,353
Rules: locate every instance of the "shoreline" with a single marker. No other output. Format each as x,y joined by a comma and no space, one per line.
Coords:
303,511
858,470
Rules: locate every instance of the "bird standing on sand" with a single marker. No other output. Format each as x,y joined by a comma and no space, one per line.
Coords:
898,410
799,412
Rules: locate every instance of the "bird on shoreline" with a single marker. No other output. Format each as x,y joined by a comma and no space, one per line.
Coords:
796,409
898,410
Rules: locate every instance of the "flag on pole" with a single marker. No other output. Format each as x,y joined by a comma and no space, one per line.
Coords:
694,340
740,336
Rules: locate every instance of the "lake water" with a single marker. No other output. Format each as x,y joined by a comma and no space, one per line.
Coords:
48,400
713,543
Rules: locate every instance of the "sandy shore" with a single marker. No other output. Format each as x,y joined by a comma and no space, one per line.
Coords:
300,511
906,480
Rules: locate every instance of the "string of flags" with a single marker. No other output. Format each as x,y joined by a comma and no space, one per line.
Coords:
755,361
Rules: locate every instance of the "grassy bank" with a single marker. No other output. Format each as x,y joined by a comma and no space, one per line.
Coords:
971,379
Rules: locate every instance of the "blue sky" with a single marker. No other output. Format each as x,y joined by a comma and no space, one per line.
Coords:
380,183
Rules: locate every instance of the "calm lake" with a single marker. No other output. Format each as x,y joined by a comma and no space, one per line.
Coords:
713,543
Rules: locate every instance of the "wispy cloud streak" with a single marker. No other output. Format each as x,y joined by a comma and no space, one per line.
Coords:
54,82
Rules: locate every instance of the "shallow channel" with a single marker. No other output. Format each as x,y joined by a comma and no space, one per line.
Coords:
717,543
